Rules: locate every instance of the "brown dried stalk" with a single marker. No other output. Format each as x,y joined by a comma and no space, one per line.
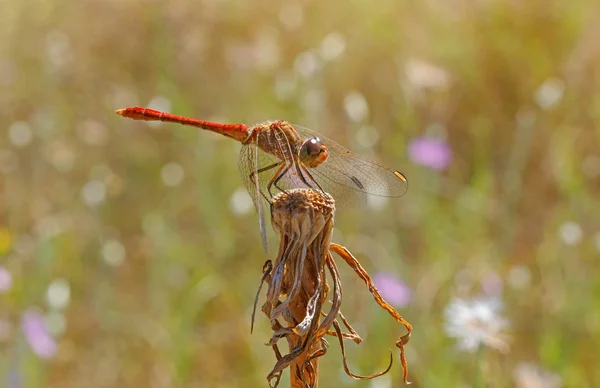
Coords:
298,288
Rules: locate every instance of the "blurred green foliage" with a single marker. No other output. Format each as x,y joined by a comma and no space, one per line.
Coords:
144,223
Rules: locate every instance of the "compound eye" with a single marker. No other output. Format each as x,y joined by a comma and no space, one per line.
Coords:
313,152
313,146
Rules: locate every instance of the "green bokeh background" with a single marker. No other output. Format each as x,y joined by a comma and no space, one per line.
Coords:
176,311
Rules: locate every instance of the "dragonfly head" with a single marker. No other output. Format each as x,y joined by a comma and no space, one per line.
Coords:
313,152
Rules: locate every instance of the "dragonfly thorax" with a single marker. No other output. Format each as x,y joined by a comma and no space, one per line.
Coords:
313,152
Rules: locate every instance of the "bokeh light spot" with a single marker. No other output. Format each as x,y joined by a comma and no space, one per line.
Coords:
356,106
519,277
58,294
240,202
332,46
172,174
550,93
113,252
570,233
93,193
5,280
20,133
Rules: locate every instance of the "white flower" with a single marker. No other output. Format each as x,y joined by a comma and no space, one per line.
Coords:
477,322
532,376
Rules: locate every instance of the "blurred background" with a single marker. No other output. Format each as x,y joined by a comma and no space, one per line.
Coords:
130,252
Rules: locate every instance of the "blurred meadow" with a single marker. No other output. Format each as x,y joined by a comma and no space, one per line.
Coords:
130,253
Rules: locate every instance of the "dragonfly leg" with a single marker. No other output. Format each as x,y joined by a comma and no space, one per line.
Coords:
254,175
277,177
302,169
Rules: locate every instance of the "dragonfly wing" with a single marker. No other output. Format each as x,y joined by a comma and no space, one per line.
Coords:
344,170
254,166
260,207
246,166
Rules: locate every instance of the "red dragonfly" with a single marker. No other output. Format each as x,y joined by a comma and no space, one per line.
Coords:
277,156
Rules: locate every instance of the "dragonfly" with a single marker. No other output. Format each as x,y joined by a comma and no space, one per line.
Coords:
277,156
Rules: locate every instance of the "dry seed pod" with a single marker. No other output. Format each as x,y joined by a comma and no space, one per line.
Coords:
303,218
298,288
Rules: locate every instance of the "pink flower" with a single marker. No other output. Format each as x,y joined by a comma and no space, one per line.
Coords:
393,290
38,337
5,280
431,152
492,284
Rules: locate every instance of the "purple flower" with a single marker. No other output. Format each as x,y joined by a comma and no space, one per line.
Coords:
393,290
492,284
5,280
431,152
38,337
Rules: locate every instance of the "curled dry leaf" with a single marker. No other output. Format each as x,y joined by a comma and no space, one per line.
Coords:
298,288
355,265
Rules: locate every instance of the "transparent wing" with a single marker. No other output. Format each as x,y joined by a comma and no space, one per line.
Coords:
247,165
348,177
258,169
251,160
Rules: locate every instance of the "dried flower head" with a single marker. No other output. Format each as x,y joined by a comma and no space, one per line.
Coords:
298,288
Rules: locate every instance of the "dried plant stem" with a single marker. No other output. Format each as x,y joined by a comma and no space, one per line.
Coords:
297,283
360,271
301,375
298,289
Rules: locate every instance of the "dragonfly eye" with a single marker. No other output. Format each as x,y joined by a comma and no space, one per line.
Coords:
313,152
